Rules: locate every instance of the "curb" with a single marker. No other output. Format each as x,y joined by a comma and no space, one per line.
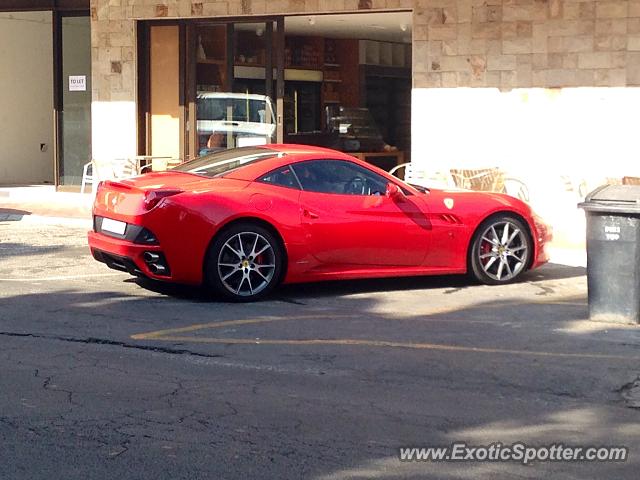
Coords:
47,220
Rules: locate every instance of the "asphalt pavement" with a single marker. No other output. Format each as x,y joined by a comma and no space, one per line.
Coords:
105,376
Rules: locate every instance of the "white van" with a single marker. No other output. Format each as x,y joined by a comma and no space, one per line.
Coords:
229,120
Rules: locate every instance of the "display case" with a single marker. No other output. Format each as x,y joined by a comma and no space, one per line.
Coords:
355,128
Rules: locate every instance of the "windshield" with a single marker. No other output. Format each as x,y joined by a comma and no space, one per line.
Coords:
234,109
228,120
217,164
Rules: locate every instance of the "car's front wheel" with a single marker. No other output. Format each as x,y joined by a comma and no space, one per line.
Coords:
244,262
500,250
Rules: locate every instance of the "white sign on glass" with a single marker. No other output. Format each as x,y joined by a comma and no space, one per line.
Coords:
77,83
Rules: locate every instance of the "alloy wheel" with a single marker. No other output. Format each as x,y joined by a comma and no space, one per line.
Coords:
503,250
246,264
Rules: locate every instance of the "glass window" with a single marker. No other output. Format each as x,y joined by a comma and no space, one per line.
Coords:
283,177
339,176
233,104
220,163
75,114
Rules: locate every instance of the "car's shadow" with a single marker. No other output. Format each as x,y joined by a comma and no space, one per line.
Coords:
290,293
453,282
12,214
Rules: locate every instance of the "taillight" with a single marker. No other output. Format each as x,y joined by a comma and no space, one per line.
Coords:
146,237
152,198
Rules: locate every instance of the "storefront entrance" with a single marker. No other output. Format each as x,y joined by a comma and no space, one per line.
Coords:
72,98
45,91
340,81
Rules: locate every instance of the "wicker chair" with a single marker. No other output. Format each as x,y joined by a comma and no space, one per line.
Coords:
483,179
631,180
490,180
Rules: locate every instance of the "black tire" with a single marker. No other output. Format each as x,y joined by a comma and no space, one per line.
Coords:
496,258
234,273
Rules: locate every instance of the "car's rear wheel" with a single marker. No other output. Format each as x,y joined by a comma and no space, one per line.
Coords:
500,250
244,262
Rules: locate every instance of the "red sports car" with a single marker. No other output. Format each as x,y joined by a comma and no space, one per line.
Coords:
242,221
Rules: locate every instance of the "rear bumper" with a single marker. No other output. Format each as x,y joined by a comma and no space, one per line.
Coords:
125,256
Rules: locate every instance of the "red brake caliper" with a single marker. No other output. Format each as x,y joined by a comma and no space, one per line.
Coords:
485,248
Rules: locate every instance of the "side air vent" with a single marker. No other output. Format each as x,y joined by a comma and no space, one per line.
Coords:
449,218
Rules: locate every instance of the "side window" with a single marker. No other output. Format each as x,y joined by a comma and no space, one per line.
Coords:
338,176
283,177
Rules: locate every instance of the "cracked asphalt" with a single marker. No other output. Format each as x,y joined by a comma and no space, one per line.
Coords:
107,377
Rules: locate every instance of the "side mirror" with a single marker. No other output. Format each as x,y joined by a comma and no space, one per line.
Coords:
393,191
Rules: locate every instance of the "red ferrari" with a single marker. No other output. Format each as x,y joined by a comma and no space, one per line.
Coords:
243,221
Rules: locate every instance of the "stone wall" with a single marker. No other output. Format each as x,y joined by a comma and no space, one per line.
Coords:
457,43
526,43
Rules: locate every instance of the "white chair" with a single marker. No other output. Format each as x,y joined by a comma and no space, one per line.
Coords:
88,175
96,171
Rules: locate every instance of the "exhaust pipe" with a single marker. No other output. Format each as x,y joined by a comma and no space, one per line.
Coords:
151,257
157,268
156,263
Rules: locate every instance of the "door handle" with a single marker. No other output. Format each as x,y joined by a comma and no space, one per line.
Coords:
309,214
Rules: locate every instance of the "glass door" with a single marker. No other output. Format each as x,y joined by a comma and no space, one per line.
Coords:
73,97
233,78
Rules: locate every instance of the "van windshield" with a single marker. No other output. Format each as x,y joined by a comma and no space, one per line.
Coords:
232,109
229,120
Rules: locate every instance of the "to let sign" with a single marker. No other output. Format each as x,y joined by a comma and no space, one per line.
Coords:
77,83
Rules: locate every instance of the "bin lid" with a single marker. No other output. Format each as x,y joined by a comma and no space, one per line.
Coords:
613,198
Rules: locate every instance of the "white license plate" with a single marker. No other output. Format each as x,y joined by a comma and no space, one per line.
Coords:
113,226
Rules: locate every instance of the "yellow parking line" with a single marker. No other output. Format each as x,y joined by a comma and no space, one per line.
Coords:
231,323
388,344
173,335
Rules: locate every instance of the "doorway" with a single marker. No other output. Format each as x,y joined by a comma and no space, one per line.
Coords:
232,85
72,98
208,85
338,81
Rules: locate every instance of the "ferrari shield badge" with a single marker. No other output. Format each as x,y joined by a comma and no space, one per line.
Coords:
448,202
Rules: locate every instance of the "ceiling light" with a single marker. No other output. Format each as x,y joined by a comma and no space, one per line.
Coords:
259,31
403,27
312,20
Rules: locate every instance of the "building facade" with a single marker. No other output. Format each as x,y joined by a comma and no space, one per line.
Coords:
543,90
